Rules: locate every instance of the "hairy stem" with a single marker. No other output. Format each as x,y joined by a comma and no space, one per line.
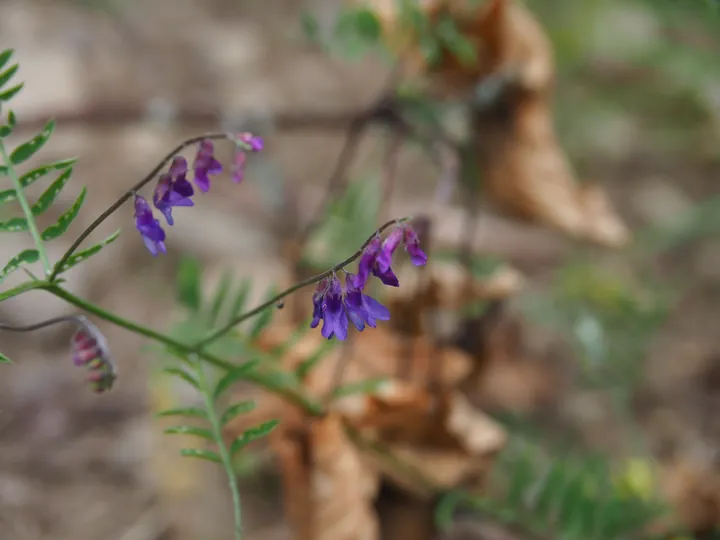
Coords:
275,299
290,394
29,217
126,196
225,456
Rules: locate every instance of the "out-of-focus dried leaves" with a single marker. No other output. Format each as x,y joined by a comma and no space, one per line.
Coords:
438,433
692,487
328,489
523,168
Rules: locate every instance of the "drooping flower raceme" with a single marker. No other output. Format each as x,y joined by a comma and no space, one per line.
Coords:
335,305
174,190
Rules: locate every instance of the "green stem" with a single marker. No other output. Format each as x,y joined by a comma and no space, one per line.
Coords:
287,292
292,395
222,449
22,288
29,217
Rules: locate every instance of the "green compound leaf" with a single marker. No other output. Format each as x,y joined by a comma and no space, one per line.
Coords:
190,412
207,455
5,56
17,224
51,193
243,407
7,95
33,176
89,252
28,256
184,375
7,129
220,295
26,151
53,231
239,373
251,435
4,359
6,75
369,386
190,430
188,283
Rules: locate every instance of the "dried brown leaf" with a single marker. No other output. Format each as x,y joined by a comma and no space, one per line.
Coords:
328,489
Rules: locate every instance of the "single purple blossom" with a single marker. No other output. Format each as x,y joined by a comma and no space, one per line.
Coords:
173,189
152,233
391,243
318,297
361,308
412,245
90,350
334,317
369,265
205,164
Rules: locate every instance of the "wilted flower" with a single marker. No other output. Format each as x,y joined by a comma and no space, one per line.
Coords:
245,142
173,189
205,164
90,349
152,233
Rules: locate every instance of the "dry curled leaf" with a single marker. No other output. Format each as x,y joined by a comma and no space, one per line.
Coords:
328,490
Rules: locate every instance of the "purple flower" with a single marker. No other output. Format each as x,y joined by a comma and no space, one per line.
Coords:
369,265
205,164
361,308
238,166
412,246
90,350
152,233
173,189
250,142
391,243
334,317
318,297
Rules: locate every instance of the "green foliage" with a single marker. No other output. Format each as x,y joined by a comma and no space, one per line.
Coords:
85,254
369,386
251,435
573,498
27,150
66,219
347,222
355,33
31,177
27,256
4,359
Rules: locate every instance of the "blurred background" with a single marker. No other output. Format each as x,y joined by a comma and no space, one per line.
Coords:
595,350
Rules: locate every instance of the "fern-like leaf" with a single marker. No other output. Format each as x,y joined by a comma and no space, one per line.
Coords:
28,256
7,129
242,407
5,56
89,252
6,75
4,359
66,219
240,298
50,194
7,95
190,430
190,412
188,284
27,150
251,435
184,375
207,455
231,377
17,224
31,177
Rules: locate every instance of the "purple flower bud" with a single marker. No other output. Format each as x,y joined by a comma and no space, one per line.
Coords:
173,189
250,142
205,164
90,350
152,233
412,245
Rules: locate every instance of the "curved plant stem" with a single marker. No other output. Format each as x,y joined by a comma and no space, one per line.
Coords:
275,299
42,324
29,217
223,452
129,193
292,395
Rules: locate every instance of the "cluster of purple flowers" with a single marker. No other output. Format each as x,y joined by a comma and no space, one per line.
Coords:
90,350
173,189
335,305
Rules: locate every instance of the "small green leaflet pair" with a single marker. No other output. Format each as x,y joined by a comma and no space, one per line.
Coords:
214,433
21,154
